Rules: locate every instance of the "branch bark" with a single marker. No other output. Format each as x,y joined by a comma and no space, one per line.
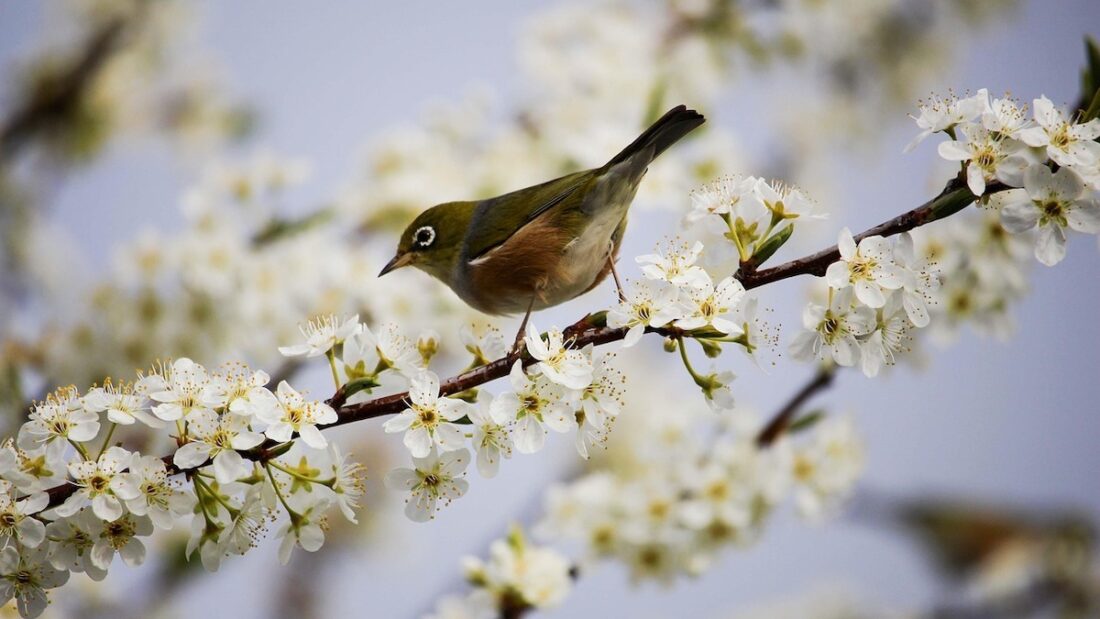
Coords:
587,331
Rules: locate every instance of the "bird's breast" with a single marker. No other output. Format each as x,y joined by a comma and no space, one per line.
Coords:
541,266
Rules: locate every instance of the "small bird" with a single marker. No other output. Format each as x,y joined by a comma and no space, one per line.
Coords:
541,246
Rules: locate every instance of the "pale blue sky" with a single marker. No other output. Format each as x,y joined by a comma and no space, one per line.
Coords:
1015,422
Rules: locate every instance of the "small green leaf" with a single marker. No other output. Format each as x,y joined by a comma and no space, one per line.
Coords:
278,229
772,244
353,387
1090,75
950,203
806,421
1093,110
597,320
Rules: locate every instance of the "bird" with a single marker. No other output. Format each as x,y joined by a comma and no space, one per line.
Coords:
541,246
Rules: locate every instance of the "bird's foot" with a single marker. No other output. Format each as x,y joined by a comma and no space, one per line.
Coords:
615,275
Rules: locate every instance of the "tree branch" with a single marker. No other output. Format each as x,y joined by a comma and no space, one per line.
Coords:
781,421
58,96
590,331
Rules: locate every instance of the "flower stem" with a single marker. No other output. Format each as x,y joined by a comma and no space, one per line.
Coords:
332,365
279,493
80,449
687,362
107,440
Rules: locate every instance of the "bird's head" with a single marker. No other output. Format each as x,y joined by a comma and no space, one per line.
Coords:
433,241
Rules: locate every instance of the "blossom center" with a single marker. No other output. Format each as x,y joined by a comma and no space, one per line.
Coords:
427,416
99,483
861,268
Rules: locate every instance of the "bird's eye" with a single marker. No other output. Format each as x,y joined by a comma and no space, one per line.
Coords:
424,236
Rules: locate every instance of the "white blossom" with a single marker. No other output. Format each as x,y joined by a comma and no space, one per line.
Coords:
102,483
321,335
435,478
868,268
492,439
535,404
944,113
246,393
989,156
123,405
25,577
648,303
708,305
296,414
729,196
428,422
1052,202
880,347
484,343
831,331
784,202
157,497
367,353
1066,143
675,265
121,536
218,438
538,575
184,387
565,366
17,521
304,529
71,542
62,416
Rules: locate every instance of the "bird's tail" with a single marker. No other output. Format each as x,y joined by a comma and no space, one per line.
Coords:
675,124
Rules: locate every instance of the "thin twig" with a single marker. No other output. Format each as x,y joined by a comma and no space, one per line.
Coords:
64,93
782,419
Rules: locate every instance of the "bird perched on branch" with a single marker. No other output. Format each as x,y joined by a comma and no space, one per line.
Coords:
541,246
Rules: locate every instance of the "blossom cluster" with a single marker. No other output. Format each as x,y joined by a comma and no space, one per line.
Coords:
236,483
688,498
677,292
1051,160
518,576
878,292
564,389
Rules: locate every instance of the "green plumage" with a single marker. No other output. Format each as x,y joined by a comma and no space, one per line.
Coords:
542,245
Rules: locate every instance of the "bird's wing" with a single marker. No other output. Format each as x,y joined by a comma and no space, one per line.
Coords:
495,220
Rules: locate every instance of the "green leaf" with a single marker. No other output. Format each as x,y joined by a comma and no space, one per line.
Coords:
1090,74
353,387
278,229
597,320
806,421
950,203
772,245
1093,110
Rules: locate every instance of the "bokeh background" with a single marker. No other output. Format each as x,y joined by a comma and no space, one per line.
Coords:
1010,421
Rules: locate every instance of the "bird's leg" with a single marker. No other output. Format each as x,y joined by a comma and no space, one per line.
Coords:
517,347
615,275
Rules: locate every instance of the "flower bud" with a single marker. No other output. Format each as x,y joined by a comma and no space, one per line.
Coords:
670,344
710,348
427,345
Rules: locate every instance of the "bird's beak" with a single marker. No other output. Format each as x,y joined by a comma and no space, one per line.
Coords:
398,261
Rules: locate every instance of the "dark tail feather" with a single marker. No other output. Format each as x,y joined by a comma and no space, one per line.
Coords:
675,124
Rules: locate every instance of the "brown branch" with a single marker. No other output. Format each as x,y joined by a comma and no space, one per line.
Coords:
781,421
590,330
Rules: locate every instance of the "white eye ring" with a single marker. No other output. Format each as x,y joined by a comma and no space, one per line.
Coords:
423,240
